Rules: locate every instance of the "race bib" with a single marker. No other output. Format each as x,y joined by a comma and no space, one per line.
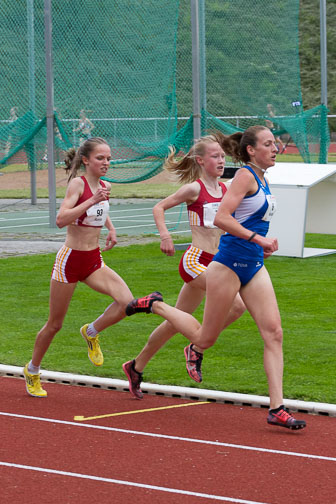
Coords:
97,214
209,213
271,207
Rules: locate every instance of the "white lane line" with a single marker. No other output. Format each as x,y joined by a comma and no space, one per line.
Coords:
26,212
175,438
41,215
151,225
130,483
24,218
143,224
118,217
120,210
25,225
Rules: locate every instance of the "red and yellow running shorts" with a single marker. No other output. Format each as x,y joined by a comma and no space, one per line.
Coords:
76,265
193,263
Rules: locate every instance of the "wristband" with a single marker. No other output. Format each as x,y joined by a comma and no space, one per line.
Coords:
252,236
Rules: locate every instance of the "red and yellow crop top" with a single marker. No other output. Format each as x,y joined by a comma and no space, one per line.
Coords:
96,215
202,212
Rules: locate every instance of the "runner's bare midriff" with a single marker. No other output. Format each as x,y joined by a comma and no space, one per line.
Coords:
205,238
82,237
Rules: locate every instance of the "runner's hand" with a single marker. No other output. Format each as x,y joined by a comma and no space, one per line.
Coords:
167,246
101,195
111,240
269,245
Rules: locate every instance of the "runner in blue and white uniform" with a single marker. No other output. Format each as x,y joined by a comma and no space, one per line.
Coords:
238,267
244,257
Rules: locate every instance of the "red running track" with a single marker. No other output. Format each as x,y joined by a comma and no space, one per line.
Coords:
176,451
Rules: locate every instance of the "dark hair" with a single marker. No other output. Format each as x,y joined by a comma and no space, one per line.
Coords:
73,157
235,145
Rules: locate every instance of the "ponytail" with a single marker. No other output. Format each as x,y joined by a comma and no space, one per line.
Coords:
73,158
186,169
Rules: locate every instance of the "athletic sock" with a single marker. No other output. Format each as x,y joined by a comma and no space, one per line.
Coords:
33,369
91,331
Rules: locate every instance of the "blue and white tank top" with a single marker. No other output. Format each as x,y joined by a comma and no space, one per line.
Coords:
254,213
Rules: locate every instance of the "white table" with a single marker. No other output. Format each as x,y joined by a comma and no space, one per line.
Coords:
306,202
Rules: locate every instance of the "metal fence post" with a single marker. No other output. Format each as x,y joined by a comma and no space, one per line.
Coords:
323,158
31,154
195,69
50,113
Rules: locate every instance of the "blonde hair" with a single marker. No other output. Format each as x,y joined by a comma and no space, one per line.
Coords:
73,157
187,169
235,145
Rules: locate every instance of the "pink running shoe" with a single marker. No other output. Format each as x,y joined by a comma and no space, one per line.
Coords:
134,379
143,304
283,418
193,363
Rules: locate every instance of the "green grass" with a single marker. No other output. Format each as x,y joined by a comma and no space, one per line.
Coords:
289,158
123,191
306,291
25,193
13,168
138,190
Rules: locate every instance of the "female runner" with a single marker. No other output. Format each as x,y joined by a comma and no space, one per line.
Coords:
199,170
238,267
84,211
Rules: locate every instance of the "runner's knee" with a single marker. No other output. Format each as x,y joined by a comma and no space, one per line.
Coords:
273,335
55,325
238,307
207,342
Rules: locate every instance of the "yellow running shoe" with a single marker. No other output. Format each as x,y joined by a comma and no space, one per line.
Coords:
33,384
94,352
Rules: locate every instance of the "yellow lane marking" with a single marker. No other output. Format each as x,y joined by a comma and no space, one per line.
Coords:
82,419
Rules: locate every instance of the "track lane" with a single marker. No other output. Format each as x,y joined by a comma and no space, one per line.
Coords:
129,456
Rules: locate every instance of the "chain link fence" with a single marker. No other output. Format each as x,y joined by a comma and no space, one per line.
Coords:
124,70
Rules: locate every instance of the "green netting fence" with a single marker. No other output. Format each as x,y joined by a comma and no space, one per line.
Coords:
123,69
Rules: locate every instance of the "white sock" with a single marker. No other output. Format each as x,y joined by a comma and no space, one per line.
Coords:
33,369
91,331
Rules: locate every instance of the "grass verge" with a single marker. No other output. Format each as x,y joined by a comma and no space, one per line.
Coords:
305,289
120,191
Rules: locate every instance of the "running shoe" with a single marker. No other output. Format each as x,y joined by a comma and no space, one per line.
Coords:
33,384
283,418
94,352
134,379
193,363
143,304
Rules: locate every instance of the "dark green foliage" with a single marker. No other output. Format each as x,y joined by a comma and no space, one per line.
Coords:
309,48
